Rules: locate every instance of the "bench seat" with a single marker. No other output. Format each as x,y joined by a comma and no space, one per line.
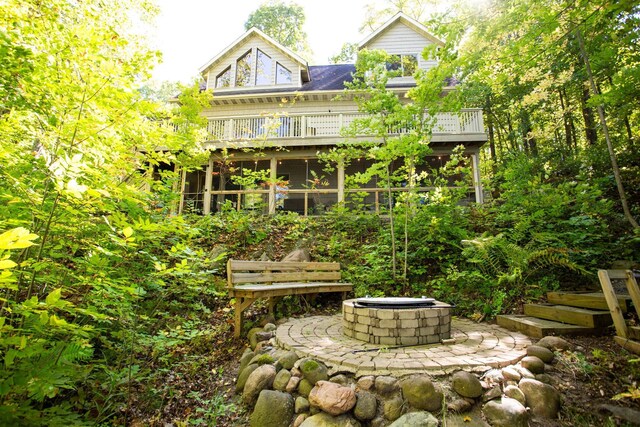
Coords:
249,281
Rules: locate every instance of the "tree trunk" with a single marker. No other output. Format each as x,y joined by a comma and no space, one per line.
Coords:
492,142
587,114
565,119
605,130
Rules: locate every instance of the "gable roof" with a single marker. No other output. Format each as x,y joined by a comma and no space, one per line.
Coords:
251,32
406,20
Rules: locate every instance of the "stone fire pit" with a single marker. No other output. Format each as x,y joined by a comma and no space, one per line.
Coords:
396,321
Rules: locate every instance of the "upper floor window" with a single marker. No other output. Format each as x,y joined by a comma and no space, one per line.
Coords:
243,70
405,65
224,78
264,69
283,75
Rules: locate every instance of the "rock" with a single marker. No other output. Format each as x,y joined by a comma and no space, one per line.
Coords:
304,387
541,353
543,399
297,255
302,405
386,385
260,379
379,421
492,393
555,343
466,384
413,419
459,405
269,327
505,412
420,393
514,392
469,419
296,372
273,408
366,383
281,380
263,347
244,360
253,341
262,359
313,371
264,336
325,420
340,379
493,377
533,364
511,374
242,378
524,372
288,359
332,398
392,407
545,378
292,385
366,405
299,420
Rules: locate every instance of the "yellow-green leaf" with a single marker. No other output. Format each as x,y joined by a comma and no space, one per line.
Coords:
7,263
53,297
127,232
17,238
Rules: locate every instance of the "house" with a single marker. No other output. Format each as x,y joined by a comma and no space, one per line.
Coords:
272,114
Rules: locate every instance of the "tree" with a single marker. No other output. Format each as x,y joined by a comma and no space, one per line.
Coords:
284,23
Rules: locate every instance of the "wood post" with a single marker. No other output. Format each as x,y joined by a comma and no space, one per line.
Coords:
208,183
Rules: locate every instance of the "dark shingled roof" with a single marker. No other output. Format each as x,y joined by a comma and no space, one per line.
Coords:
323,77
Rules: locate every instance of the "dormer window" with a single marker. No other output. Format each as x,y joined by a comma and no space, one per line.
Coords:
405,64
283,75
224,78
264,69
243,70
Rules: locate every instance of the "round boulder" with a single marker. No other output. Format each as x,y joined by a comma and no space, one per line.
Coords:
366,406
515,393
323,419
332,398
244,374
253,340
292,385
505,412
392,407
273,408
301,405
412,419
288,359
260,379
420,393
466,384
386,385
244,359
304,387
269,327
555,343
533,364
281,380
313,371
541,353
511,374
366,383
543,399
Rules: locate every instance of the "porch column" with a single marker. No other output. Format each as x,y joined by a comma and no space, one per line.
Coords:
208,183
272,185
183,180
477,183
341,182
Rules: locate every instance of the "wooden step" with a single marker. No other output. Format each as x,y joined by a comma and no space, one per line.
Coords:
593,300
538,328
572,315
634,332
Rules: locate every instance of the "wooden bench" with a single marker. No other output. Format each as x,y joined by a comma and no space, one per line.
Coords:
249,281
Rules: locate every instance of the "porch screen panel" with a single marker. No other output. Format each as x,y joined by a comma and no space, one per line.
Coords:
194,192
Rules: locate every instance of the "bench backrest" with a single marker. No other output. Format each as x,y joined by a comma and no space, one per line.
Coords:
266,272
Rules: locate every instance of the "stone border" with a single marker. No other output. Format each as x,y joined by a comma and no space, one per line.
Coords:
476,347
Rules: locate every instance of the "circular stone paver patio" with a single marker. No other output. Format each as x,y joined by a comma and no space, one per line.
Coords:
474,347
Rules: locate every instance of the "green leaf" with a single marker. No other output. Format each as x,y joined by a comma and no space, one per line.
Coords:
7,263
127,232
53,297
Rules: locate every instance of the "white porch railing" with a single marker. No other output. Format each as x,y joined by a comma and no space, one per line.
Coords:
468,121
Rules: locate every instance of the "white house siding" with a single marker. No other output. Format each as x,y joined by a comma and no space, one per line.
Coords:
399,39
254,42
297,107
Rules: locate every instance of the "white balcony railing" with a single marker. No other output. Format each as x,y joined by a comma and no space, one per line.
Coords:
328,125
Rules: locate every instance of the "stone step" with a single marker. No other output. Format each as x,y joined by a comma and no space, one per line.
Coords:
538,328
594,300
572,315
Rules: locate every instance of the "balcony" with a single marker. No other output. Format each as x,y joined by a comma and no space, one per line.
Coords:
316,129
